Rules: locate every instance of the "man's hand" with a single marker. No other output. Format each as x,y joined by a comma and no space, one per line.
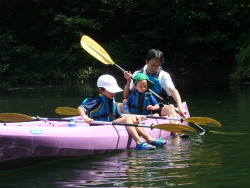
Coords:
182,111
128,76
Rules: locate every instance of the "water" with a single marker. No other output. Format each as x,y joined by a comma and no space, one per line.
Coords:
211,160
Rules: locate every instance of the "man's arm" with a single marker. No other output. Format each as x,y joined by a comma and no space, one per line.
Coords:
126,90
176,96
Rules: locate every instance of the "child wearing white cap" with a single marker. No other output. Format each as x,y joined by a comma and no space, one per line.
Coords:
103,108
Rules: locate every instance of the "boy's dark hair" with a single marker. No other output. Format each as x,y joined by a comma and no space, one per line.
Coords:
154,53
102,88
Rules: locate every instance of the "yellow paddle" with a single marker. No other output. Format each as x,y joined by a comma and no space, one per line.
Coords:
198,120
175,128
67,111
14,117
97,51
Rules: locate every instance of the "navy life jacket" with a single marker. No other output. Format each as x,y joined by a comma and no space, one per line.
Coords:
139,103
104,112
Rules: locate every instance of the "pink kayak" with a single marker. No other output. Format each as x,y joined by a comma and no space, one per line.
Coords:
27,143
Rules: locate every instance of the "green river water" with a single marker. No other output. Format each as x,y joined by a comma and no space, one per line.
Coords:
210,160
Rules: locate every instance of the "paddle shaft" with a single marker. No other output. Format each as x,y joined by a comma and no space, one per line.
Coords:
178,119
119,67
95,122
98,52
156,117
167,126
181,119
148,89
177,128
197,126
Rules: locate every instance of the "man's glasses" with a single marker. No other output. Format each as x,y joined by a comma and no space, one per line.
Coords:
153,66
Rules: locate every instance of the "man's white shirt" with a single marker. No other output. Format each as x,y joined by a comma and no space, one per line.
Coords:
164,78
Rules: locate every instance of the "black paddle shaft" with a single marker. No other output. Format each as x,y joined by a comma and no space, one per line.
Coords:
133,125
148,89
197,126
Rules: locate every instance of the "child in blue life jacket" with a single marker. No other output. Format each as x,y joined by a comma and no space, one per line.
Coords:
141,101
103,108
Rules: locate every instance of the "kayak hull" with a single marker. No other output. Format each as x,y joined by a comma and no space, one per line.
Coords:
26,143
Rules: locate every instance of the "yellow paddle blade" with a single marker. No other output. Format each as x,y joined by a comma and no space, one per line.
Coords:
203,121
96,50
227,133
67,111
14,117
176,128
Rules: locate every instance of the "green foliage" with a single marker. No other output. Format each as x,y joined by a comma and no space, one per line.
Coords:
39,40
88,74
241,72
124,52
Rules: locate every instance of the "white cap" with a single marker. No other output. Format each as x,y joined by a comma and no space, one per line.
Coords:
109,83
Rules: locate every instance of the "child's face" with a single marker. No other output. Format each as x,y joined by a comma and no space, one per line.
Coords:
142,86
107,94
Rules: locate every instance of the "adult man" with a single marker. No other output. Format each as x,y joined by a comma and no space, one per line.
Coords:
163,82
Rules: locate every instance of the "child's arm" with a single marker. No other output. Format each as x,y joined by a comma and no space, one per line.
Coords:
155,107
83,115
153,101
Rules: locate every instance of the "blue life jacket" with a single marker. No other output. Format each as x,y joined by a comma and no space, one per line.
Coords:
139,105
157,88
102,112
154,78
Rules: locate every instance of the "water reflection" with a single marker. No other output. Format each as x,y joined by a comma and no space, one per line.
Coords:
165,166
175,164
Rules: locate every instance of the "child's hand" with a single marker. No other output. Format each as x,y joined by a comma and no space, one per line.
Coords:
155,107
150,107
125,100
138,119
88,120
135,119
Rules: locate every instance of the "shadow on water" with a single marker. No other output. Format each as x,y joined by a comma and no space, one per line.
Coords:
209,160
